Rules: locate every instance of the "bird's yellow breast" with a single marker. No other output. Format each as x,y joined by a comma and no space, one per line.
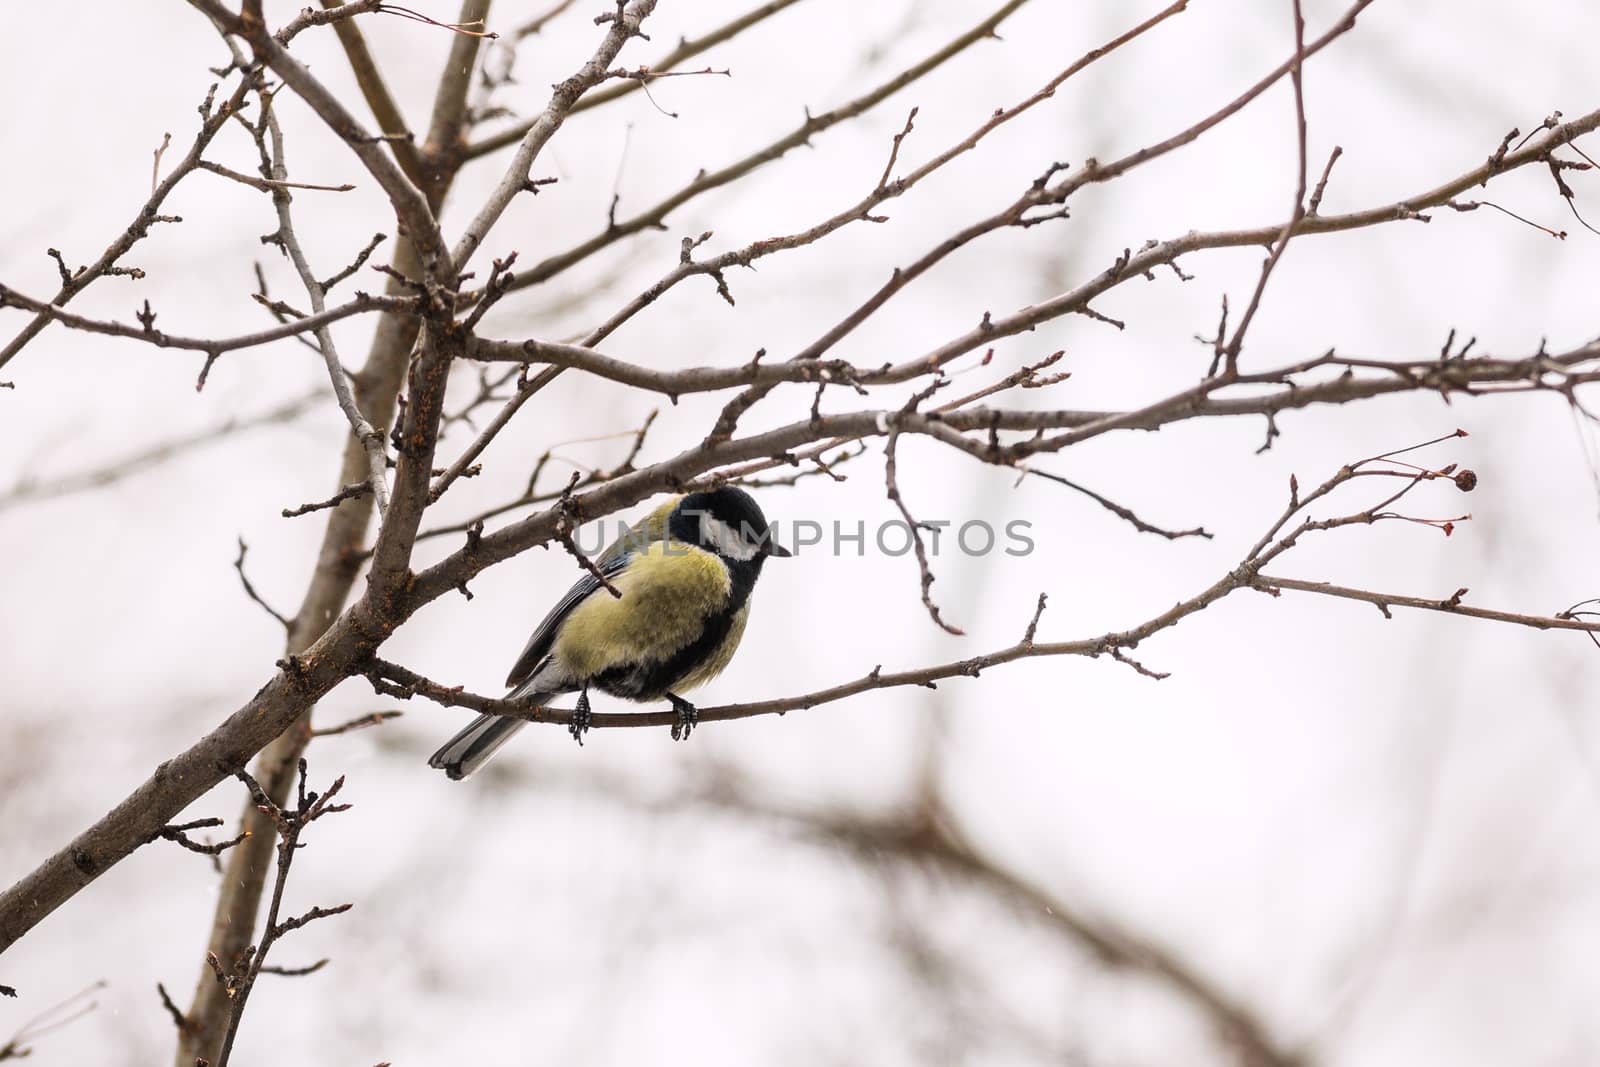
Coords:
668,591
720,657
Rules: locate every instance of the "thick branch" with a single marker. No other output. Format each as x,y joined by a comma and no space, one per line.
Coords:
338,563
180,781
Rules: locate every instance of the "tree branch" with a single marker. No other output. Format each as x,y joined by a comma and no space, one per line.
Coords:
411,207
363,302
655,215
212,122
562,100
376,93
687,49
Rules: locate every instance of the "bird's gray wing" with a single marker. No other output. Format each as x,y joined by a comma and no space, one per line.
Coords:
544,635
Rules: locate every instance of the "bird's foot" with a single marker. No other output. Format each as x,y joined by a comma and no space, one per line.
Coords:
687,717
582,717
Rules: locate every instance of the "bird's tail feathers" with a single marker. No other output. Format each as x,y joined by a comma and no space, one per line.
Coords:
471,748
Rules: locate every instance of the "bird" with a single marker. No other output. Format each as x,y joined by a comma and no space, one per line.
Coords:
684,574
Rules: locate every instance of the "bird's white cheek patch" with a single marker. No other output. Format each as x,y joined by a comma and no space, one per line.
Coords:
725,539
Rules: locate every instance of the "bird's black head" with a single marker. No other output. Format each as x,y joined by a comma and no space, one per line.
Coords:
726,521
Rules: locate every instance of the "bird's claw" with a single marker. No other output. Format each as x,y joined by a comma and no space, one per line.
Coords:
582,718
687,718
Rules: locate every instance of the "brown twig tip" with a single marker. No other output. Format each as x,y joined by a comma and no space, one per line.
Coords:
179,834
566,522
465,29
1125,514
643,73
296,972
894,151
1033,623
217,969
313,915
349,492
267,185
68,276
1322,183
1139,668
179,1020
356,264
1551,121
250,590
1473,205
495,288
362,722
892,489
1451,436
155,167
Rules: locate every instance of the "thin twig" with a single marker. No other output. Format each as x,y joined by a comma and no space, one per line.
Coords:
565,95
362,722
349,492
1126,514
291,824
180,835
914,531
372,440
569,518
250,590
266,185
686,50
362,303
1229,353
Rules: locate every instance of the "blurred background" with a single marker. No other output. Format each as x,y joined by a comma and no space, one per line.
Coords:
1325,838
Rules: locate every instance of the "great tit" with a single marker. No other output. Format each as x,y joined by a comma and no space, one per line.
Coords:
685,573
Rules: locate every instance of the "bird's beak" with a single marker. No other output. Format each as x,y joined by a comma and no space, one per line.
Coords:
775,549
